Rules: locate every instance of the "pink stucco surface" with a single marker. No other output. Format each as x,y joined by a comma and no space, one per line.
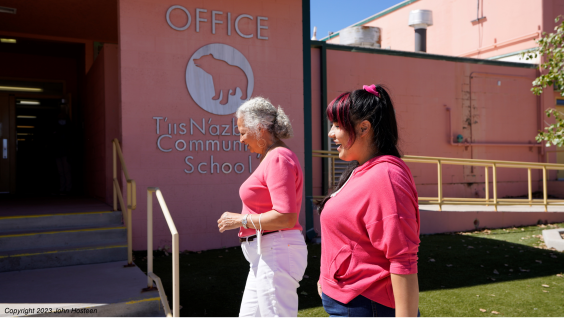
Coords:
509,26
434,221
153,58
488,104
101,122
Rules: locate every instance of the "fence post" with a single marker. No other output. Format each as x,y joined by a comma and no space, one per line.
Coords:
544,189
332,177
530,188
487,188
440,183
494,177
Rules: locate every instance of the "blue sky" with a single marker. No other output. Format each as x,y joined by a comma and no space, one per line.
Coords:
334,15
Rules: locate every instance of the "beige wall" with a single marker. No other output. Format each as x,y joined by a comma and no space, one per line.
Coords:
510,26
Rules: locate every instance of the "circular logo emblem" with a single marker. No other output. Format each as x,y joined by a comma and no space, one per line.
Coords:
219,78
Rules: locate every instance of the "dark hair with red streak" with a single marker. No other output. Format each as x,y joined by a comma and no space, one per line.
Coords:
338,111
350,108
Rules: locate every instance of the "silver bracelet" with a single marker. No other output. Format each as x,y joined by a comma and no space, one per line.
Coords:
244,221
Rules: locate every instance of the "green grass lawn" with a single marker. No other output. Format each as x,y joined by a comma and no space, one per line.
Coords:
501,270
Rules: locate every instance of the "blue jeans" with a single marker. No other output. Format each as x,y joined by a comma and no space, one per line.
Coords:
358,307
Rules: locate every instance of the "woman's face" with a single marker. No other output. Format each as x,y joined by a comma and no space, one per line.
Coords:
341,138
247,137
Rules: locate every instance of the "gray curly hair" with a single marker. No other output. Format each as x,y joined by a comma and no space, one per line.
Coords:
259,113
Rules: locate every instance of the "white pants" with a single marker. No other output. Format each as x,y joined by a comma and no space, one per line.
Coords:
274,275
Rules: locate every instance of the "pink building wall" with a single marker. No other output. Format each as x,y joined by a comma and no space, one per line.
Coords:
509,26
498,101
101,122
153,59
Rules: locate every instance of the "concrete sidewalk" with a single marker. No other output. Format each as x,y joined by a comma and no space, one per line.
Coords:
455,218
108,289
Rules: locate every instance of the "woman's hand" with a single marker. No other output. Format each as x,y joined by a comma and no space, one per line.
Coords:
229,221
319,288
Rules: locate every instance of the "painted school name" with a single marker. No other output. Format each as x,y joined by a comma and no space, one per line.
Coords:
178,137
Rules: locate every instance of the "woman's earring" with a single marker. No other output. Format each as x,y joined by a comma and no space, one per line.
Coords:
263,145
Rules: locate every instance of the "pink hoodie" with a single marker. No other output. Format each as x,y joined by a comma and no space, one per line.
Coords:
369,230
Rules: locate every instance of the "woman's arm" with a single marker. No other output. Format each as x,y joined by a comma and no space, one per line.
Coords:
406,294
271,220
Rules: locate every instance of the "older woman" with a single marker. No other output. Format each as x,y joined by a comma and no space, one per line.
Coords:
270,233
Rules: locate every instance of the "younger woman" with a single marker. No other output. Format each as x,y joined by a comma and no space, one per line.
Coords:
370,223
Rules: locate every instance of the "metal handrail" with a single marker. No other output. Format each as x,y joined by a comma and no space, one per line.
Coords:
494,164
131,197
175,257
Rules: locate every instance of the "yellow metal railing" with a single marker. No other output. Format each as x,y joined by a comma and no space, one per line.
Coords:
131,197
175,257
494,165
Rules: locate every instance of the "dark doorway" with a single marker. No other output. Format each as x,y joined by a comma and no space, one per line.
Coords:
42,142
49,138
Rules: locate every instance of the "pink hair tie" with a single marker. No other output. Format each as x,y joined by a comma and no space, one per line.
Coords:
371,89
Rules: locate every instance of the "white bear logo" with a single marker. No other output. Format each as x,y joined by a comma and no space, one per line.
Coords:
219,78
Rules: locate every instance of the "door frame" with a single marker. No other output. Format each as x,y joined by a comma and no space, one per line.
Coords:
8,169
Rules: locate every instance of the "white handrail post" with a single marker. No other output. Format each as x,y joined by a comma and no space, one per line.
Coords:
175,253
149,237
175,276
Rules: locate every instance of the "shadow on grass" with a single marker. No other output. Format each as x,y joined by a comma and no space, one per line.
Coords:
454,261
212,282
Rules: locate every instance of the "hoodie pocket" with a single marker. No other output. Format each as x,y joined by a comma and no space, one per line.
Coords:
340,263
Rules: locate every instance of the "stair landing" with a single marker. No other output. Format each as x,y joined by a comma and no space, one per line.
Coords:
17,205
101,290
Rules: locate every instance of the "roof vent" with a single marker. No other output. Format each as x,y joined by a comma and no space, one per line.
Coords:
420,20
8,10
361,36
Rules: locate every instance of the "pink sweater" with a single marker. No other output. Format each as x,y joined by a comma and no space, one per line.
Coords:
369,230
276,184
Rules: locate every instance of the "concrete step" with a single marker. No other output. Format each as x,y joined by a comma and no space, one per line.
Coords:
98,290
64,238
61,256
30,223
